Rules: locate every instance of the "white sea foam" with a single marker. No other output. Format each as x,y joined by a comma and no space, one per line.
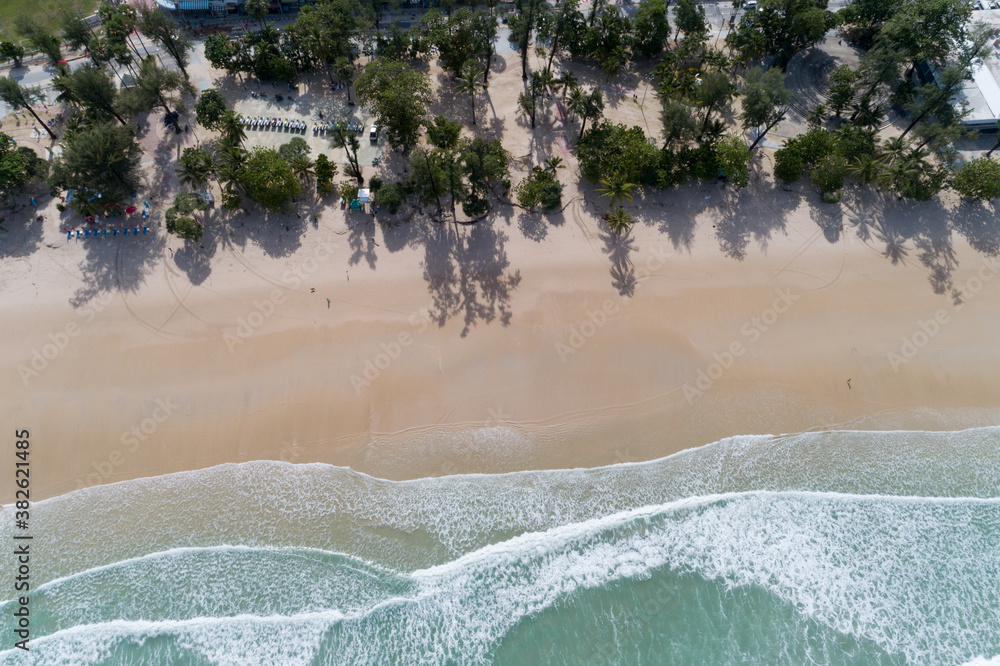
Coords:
413,524
916,576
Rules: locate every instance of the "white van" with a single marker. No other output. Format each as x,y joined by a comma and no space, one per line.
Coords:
751,5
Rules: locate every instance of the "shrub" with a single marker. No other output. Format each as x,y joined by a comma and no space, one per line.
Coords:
829,174
375,183
539,188
349,190
701,162
475,206
185,227
391,195
814,145
734,160
978,179
788,164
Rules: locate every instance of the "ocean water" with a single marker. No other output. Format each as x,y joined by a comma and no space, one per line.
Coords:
816,548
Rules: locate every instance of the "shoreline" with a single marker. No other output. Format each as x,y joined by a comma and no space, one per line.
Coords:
766,343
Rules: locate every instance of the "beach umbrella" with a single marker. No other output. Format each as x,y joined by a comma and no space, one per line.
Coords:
88,219
131,209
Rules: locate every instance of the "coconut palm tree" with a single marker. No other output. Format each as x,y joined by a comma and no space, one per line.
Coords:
899,175
864,170
346,71
577,100
893,150
469,84
302,167
565,84
552,164
232,128
195,167
619,222
586,106
617,188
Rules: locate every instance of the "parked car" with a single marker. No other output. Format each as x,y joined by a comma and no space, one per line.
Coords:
373,133
751,5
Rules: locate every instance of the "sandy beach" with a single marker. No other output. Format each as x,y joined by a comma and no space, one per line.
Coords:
380,344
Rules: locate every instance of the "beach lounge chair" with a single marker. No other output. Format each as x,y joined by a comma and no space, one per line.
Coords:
86,233
126,231
145,230
114,232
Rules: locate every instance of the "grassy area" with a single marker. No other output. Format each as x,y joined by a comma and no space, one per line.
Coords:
47,11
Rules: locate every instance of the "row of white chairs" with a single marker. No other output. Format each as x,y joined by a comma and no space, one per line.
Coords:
262,122
350,126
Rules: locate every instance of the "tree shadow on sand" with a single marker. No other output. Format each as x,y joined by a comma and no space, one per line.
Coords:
195,257
743,218
467,273
881,219
23,233
117,264
619,250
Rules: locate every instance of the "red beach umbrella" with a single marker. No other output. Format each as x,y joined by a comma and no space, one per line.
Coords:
130,210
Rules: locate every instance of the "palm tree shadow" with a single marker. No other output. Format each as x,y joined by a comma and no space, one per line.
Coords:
468,274
362,240
619,249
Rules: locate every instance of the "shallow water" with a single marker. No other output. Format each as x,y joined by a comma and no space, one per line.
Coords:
833,547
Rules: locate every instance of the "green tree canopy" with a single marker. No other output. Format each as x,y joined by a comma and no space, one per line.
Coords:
12,51
607,149
978,179
102,160
765,100
210,108
398,96
734,160
180,217
268,179
14,173
781,28
39,37
93,88
651,29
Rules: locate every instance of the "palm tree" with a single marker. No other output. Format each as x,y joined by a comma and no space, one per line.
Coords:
899,175
232,129
893,151
586,106
469,84
302,167
577,101
864,170
565,84
230,167
22,97
61,83
345,70
552,164
817,115
617,188
196,166
619,221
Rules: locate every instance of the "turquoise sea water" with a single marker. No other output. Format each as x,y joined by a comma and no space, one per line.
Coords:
826,548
